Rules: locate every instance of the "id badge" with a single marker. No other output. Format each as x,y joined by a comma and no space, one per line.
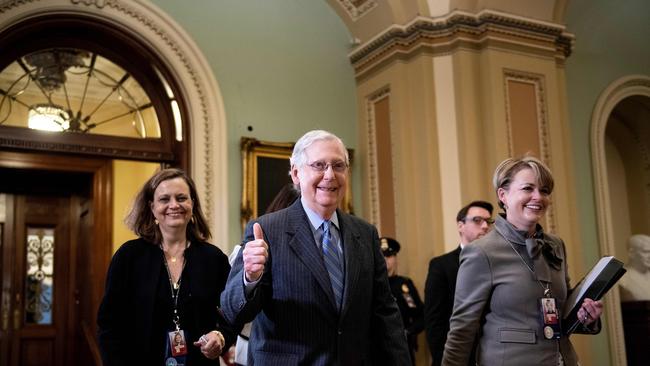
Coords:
177,343
550,318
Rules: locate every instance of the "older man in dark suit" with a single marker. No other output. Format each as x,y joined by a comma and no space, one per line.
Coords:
473,221
313,278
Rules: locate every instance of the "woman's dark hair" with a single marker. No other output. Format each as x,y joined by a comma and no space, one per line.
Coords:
284,198
142,221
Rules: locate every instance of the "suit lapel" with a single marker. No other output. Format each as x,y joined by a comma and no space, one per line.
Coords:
456,256
454,265
353,252
303,245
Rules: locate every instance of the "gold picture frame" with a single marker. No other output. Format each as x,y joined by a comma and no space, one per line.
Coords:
271,160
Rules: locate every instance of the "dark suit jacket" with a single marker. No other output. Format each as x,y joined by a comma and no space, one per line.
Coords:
132,319
296,321
439,293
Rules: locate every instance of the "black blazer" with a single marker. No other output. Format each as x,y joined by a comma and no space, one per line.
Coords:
439,293
131,319
296,321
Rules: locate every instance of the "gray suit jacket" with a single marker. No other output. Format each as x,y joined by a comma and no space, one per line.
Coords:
295,318
497,297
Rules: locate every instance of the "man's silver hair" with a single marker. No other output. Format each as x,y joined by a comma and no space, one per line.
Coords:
299,155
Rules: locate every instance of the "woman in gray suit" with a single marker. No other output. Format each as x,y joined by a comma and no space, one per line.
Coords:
508,278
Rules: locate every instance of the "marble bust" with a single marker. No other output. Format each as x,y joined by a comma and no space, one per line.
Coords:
635,284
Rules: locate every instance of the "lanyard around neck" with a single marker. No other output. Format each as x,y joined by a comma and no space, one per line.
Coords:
547,287
175,288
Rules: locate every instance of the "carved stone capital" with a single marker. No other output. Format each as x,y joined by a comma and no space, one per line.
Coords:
459,29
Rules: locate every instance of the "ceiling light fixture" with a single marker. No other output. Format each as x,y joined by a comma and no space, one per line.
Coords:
75,90
48,117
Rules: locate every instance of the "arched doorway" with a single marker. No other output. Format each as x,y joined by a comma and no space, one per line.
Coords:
627,139
158,54
619,140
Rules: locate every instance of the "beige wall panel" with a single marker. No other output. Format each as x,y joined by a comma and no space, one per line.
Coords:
448,146
522,108
415,161
385,187
128,178
476,141
554,146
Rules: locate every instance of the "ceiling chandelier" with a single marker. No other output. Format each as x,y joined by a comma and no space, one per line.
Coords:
48,117
73,90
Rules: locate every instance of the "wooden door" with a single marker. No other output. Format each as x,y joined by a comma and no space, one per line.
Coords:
72,199
85,350
39,250
6,274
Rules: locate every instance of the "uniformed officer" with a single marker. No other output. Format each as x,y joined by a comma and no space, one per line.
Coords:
405,294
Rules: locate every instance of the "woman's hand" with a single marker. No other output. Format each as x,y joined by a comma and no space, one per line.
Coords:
590,311
211,344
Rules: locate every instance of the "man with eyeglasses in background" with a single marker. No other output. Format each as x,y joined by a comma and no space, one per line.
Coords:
473,221
313,277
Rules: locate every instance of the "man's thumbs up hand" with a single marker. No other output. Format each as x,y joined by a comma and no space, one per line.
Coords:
255,254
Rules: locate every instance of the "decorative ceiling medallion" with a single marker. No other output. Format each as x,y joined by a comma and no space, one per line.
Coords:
357,8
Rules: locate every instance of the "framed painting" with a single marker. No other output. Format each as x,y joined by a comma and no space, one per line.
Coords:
265,170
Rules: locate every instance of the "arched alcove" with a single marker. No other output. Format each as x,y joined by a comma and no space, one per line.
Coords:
619,154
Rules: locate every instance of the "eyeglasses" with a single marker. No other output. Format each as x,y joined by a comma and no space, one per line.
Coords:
478,220
321,166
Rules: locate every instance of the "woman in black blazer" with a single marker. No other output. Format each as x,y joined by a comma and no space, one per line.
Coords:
165,284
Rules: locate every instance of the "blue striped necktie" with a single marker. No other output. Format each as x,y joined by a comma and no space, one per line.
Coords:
332,258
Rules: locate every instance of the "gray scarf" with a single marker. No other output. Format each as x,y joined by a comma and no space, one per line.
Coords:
535,245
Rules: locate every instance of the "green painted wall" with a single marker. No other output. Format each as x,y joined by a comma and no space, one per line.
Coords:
282,69
612,41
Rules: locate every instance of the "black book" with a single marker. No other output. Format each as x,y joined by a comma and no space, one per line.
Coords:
594,285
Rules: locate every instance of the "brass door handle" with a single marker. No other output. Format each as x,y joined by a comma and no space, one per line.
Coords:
17,312
16,319
6,302
5,318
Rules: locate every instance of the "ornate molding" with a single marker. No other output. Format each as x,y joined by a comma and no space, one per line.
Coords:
462,30
373,175
357,9
98,3
111,152
7,5
542,124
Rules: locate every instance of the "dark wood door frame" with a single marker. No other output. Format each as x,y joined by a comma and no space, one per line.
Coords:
102,211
